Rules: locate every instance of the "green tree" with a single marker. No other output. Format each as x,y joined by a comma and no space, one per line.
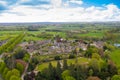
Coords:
19,53
94,64
57,58
58,71
5,72
71,56
15,72
96,56
10,61
13,77
8,75
2,67
90,51
91,72
67,76
51,72
65,73
65,65
20,67
116,77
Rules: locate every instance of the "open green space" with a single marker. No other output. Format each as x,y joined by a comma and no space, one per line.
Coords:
115,56
81,60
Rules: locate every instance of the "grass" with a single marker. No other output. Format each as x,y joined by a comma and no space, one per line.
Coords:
4,34
8,34
81,60
93,34
115,56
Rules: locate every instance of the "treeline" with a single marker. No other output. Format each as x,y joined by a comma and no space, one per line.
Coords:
12,28
9,46
63,71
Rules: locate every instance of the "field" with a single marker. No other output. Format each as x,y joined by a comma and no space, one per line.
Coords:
81,60
81,44
32,35
115,56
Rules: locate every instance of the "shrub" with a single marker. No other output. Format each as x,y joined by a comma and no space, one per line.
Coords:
57,58
71,56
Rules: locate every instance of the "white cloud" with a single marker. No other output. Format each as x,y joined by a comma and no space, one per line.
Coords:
60,14
56,3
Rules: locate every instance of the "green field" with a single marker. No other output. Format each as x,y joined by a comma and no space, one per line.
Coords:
115,56
81,60
93,34
63,30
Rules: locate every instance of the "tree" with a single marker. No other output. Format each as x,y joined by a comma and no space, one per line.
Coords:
112,69
14,78
58,71
50,72
96,56
8,75
19,53
57,58
20,67
94,64
108,47
67,76
65,73
5,72
65,65
2,67
107,55
71,56
90,51
91,72
116,77
10,61
15,72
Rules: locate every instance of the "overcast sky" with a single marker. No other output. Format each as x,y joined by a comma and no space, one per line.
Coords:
59,10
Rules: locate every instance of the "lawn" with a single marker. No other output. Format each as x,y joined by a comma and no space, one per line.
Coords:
93,34
115,56
81,60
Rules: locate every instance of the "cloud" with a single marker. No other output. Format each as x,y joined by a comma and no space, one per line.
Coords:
4,3
56,3
56,11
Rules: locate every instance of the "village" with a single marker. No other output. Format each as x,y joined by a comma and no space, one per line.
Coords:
58,45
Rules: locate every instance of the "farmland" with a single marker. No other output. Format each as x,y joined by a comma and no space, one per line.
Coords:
39,50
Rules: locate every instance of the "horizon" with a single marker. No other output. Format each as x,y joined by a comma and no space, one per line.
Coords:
59,22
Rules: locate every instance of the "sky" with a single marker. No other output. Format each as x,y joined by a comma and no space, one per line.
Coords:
59,10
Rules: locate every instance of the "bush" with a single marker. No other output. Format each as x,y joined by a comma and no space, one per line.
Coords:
2,67
57,58
14,78
71,56
20,67
20,53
